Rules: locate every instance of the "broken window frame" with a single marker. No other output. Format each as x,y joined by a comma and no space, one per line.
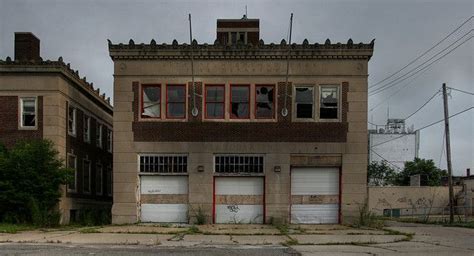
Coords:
295,104
207,101
183,102
24,113
88,172
338,101
142,105
74,167
273,103
231,115
71,117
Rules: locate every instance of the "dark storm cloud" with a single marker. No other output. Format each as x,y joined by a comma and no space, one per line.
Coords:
77,30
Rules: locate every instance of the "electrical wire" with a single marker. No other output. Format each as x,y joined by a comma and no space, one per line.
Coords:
424,127
422,106
461,90
386,160
424,53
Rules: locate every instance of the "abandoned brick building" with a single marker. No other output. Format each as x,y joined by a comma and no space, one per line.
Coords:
240,145
44,99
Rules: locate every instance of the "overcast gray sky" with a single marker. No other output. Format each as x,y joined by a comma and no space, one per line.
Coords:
77,30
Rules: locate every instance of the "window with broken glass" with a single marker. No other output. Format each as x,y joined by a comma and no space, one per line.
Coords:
164,164
71,121
329,102
151,101
264,101
239,101
304,102
28,112
176,101
238,164
215,101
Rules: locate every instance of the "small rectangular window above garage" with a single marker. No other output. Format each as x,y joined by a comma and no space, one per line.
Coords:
304,102
239,101
164,163
264,101
238,164
28,112
329,102
151,101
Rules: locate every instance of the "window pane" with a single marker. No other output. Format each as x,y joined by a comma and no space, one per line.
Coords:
264,97
240,110
304,110
240,101
176,93
240,94
176,110
29,119
71,162
304,95
329,103
215,110
151,101
29,105
98,180
215,94
86,176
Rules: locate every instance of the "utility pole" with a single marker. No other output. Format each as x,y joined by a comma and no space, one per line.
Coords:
448,155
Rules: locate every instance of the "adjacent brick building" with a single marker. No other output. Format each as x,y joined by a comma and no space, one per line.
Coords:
240,145
44,99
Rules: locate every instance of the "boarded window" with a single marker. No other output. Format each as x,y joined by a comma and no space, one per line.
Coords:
72,164
264,98
329,102
304,99
28,112
86,176
215,101
238,164
240,97
164,164
151,105
176,101
71,125
98,179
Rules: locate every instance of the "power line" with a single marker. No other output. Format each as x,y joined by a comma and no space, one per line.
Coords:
424,53
424,127
386,160
422,106
395,82
461,90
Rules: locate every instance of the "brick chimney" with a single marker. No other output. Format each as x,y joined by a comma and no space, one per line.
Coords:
27,46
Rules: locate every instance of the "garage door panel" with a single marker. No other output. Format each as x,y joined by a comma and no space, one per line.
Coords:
175,213
239,214
315,214
164,184
315,181
239,186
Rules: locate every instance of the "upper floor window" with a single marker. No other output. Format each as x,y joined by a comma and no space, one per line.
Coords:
86,176
98,135
151,101
71,121
87,129
304,102
109,140
72,164
214,100
329,102
238,164
237,36
264,101
98,179
176,101
239,101
28,112
164,163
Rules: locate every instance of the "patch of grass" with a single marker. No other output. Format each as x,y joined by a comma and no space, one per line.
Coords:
291,241
89,230
283,228
469,224
193,230
14,228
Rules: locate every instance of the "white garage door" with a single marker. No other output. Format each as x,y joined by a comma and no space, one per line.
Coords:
314,195
164,199
239,199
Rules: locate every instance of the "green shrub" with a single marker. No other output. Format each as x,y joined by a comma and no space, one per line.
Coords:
368,218
201,217
94,217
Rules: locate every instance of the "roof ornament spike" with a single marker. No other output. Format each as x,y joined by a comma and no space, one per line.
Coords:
195,42
372,43
103,96
350,43
153,42
84,79
68,65
8,59
328,42
60,59
77,73
175,42
131,42
283,42
261,42
216,42
109,42
305,42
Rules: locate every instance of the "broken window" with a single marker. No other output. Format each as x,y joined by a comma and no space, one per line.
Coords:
151,105
86,176
304,102
215,101
176,101
240,97
264,98
238,164
98,179
329,102
72,121
28,112
72,164
87,128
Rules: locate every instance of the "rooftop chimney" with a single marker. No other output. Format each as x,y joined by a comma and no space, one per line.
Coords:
27,46
245,30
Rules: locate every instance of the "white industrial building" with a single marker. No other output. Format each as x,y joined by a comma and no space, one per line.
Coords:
394,143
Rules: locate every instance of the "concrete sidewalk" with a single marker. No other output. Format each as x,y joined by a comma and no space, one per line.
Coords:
207,235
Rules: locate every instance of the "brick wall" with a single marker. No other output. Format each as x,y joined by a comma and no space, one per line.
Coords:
9,118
